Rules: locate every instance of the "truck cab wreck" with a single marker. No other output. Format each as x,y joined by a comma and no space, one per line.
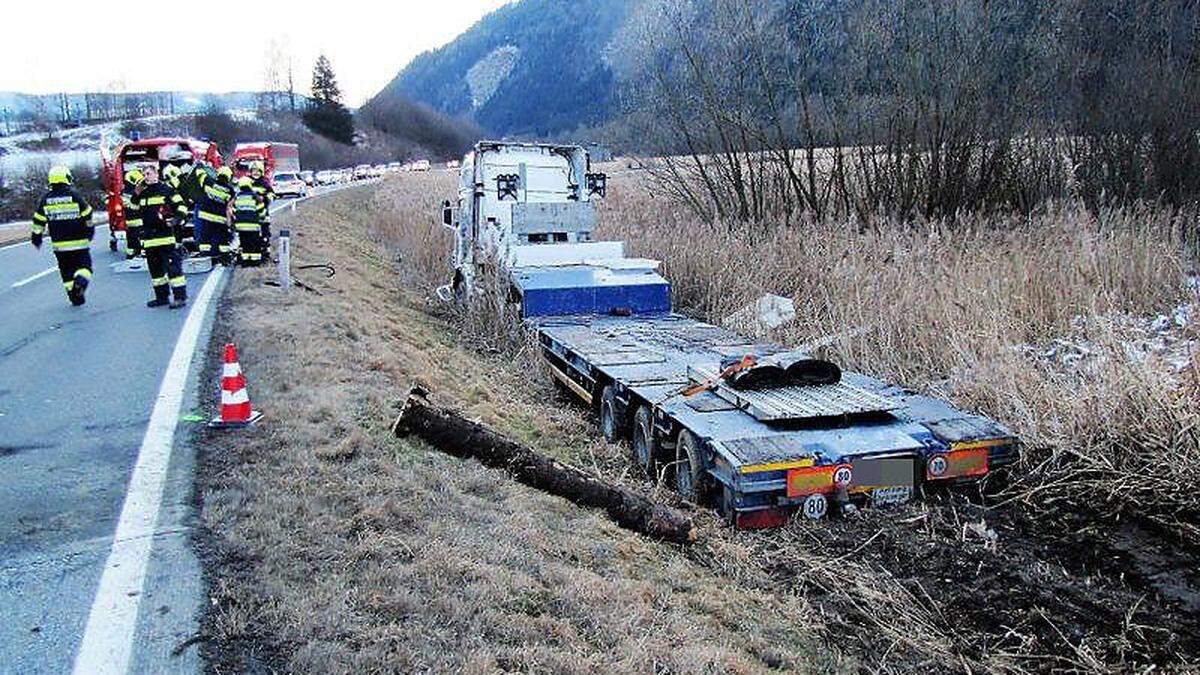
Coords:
757,430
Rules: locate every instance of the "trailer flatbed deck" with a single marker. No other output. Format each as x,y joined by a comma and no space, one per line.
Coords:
765,452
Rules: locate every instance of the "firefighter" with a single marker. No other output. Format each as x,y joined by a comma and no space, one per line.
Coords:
161,207
171,175
248,212
212,215
68,217
266,192
192,183
133,218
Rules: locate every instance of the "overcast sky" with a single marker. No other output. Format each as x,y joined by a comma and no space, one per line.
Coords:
74,45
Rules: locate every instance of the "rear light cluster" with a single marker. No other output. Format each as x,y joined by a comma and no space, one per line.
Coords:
818,479
957,464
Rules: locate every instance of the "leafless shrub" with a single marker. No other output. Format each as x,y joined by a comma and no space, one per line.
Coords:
767,110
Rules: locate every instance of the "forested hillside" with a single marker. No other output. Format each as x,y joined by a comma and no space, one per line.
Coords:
535,67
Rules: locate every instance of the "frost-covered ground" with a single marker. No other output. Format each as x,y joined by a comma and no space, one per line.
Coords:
1167,338
75,147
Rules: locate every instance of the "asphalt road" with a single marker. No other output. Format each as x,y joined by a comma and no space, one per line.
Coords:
77,387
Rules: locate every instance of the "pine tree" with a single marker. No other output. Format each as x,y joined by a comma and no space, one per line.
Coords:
324,82
326,115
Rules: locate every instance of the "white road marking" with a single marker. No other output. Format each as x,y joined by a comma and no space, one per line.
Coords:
34,277
108,639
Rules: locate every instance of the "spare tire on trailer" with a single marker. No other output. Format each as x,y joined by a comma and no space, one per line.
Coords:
691,481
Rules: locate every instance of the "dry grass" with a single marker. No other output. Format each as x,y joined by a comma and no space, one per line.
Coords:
336,548
969,313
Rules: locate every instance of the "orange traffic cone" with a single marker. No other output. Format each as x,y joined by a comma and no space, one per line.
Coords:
235,402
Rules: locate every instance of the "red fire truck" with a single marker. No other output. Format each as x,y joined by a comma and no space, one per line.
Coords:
143,153
275,158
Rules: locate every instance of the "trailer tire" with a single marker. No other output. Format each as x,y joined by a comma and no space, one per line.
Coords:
728,514
645,449
112,245
459,287
610,421
691,482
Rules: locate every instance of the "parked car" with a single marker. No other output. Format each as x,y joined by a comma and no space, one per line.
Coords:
308,178
362,172
289,184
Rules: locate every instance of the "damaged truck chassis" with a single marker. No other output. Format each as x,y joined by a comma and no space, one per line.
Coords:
757,430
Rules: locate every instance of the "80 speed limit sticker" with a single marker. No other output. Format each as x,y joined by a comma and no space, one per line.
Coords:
815,506
842,475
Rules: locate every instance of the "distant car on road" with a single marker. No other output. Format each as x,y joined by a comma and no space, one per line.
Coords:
289,184
308,178
362,172
326,177
420,165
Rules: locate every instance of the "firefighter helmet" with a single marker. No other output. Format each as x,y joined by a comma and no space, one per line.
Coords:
256,169
59,175
134,176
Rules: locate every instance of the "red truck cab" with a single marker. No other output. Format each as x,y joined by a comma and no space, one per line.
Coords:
275,157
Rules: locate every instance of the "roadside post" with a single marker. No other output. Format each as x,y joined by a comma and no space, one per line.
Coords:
285,259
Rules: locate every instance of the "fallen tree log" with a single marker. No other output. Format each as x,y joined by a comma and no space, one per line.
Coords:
453,434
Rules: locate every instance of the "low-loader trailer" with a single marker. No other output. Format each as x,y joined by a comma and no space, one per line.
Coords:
756,429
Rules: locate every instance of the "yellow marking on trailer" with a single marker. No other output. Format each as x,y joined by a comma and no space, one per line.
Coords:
986,443
571,384
777,466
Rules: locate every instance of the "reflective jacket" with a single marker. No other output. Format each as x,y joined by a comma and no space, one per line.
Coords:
67,216
248,210
159,204
133,218
262,187
215,195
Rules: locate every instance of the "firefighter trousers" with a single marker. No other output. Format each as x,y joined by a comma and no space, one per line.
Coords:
133,240
213,237
251,242
166,272
75,267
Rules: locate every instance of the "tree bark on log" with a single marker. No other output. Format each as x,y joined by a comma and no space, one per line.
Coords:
453,434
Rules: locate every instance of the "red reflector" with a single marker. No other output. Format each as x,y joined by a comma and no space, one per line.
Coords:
761,520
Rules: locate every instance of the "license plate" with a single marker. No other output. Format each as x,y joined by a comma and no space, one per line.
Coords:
891,496
884,472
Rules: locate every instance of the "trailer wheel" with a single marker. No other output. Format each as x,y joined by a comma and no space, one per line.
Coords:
728,514
459,287
112,245
690,479
645,449
610,426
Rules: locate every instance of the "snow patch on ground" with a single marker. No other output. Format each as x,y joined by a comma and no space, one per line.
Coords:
1169,338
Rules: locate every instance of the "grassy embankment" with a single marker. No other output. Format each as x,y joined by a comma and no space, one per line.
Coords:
334,547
